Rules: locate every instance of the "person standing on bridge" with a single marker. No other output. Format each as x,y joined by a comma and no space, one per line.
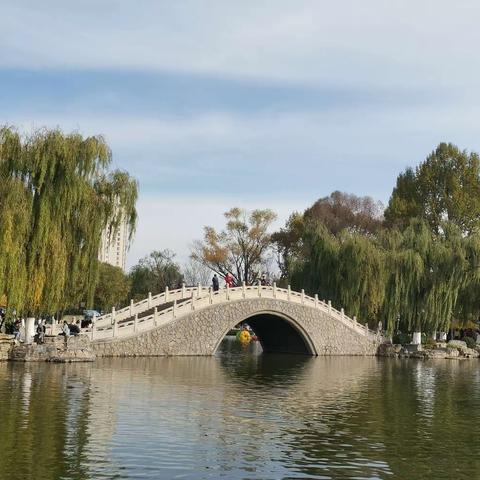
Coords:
229,280
215,283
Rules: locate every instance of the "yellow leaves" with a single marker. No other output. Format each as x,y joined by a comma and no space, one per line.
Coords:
240,248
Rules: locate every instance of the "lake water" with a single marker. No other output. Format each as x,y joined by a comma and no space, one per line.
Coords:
241,415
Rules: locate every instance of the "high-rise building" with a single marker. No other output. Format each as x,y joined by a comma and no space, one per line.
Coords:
113,250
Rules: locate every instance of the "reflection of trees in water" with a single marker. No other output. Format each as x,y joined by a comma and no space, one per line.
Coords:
42,438
290,415
408,419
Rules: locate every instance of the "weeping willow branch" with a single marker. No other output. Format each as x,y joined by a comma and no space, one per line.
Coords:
56,197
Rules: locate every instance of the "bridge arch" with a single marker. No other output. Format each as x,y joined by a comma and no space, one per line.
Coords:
277,333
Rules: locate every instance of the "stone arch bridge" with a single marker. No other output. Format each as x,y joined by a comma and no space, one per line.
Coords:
193,321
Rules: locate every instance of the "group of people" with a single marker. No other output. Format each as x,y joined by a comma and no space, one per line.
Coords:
230,281
68,329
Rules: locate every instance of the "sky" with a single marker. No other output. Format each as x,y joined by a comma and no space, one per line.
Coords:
258,104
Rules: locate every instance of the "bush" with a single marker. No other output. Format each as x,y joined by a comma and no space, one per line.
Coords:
401,338
471,343
429,343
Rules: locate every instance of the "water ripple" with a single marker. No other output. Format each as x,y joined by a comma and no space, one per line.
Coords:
240,416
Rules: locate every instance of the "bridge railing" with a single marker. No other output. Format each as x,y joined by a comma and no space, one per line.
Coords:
198,298
150,302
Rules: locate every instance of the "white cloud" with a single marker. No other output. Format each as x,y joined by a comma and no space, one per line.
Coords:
348,42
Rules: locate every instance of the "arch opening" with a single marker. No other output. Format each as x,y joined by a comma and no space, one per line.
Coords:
277,334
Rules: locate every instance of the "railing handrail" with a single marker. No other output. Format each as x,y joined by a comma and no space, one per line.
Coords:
155,301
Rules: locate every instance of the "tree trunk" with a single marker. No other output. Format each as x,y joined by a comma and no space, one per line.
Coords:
417,338
29,330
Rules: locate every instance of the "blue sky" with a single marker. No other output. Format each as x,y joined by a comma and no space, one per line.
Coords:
261,103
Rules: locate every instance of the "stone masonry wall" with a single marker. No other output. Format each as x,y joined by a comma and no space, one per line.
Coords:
200,332
6,344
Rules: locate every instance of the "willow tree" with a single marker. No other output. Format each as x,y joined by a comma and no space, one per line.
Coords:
426,274
347,269
361,276
316,270
67,198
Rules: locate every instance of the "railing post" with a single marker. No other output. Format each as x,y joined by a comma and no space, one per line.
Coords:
330,307
303,296
289,291
227,292
114,323
135,323
259,288
166,294
274,290
316,300
183,290
131,307
199,290
342,312
174,309
355,318
193,301
155,313
149,299
210,295
244,289
366,326
93,329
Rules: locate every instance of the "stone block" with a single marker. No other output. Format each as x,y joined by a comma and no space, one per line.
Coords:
55,349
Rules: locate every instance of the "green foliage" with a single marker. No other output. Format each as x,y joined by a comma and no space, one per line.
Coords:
401,338
112,288
56,198
416,276
429,343
348,269
421,271
153,273
471,343
445,187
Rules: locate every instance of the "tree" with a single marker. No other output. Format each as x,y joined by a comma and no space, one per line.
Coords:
153,273
288,244
195,273
337,213
347,269
426,274
444,188
241,248
112,288
345,211
56,197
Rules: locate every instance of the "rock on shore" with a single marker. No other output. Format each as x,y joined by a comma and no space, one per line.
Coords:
6,344
452,349
55,349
